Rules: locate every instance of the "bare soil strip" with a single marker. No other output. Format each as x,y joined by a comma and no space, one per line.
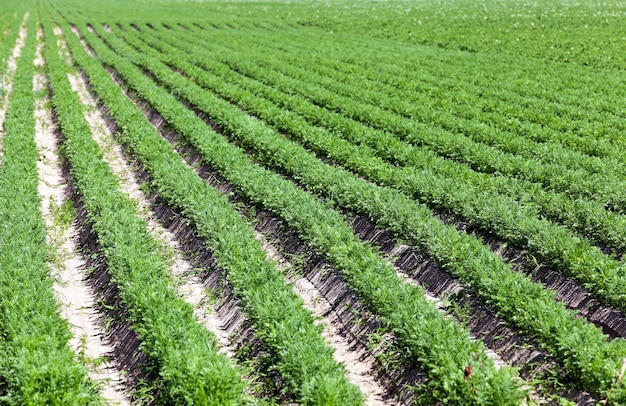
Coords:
344,313
6,80
68,267
359,365
82,41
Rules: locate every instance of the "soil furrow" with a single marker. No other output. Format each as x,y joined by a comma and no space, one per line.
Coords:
359,364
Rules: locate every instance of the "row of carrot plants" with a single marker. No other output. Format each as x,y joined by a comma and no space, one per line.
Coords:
590,220
441,346
36,365
550,111
465,256
494,89
183,355
414,100
6,47
512,222
530,140
298,350
606,187
462,147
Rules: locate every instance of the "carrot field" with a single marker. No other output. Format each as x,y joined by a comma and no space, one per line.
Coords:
312,202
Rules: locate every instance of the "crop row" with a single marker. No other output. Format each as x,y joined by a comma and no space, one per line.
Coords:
36,366
493,212
588,219
183,354
392,209
455,108
441,346
605,187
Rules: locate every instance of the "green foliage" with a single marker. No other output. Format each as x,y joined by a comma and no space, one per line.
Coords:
482,110
300,354
36,367
522,303
183,353
439,344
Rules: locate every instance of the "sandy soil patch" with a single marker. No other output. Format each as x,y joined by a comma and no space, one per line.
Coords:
359,365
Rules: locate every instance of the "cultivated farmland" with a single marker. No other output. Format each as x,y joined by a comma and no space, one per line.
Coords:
312,202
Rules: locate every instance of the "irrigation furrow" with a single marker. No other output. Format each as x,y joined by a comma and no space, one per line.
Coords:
85,46
349,324
359,365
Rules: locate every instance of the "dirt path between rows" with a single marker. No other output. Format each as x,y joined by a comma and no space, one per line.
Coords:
359,365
